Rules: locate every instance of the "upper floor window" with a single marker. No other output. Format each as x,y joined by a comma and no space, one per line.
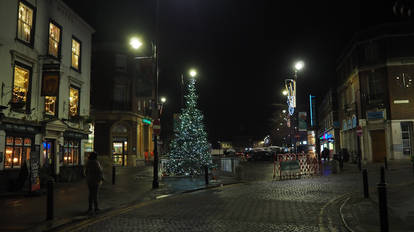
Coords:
76,54
21,86
407,133
73,101
376,87
25,22
54,40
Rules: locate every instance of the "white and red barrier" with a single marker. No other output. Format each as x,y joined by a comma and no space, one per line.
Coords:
293,166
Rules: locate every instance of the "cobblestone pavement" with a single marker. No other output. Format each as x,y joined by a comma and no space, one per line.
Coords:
295,205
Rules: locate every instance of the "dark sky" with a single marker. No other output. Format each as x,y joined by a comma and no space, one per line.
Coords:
242,49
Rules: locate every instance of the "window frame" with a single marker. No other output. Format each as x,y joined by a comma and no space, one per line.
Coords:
32,30
80,54
67,150
79,98
51,21
29,88
409,126
23,137
56,115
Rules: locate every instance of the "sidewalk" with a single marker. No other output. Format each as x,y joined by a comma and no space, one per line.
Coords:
133,185
363,214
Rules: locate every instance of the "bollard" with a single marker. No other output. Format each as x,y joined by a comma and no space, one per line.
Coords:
206,174
382,197
49,200
359,163
341,163
113,174
365,181
385,163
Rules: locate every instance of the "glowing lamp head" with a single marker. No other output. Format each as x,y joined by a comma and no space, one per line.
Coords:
193,73
163,99
299,65
285,92
135,43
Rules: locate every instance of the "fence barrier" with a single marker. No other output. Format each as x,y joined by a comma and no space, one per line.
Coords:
293,166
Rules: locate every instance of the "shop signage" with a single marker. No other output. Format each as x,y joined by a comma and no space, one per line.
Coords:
375,115
21,128
34,169
156,127
74,135
326,136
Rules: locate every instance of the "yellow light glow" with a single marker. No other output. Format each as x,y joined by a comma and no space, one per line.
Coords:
65,158
299,65
15,160
285,92
163,99
135,43
8,151
193,73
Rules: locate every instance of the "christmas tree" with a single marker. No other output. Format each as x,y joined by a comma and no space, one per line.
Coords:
189,149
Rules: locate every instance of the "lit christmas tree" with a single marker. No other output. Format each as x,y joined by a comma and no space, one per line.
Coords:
189,149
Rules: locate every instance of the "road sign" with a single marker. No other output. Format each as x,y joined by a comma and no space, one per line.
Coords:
156,127
359,131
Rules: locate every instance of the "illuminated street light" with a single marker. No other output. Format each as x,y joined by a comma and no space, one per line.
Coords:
193,73
163,99
135,43
285,92
299,65
284,111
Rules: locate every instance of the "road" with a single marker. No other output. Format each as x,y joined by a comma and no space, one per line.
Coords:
259,204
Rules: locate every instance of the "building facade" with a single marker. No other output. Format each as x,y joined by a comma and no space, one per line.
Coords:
328,128
122,93
45,53
376,94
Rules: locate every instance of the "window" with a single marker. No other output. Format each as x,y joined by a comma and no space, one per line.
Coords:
17,150
50,105
407,133
50,89
376,88
21,83
76,53
25,23
71,152
54,40
73,101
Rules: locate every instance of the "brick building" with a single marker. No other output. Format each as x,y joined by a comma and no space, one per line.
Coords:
375,92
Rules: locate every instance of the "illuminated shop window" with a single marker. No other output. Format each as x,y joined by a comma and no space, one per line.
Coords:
50,105
20,84
71,155
54,40
25,23
16,151
73,102
76,52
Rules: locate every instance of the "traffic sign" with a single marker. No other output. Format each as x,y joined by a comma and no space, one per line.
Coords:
359,131
156,127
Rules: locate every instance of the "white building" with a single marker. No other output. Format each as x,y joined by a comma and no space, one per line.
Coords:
45,60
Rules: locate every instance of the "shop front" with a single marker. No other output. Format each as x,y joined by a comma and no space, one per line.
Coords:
327,140
71,155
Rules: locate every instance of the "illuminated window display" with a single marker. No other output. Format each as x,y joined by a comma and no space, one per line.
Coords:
73,102
54,40
71,154
25,23
76,51
16,151
20,84
50,105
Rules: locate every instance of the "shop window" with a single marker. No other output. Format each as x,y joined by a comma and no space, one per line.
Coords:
17,150
71,152
76,54
50,105
25,23
73,101
54,40
21,82
407,133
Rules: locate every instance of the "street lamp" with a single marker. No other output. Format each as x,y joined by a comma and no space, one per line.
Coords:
285,92
135,43
193,73
299,65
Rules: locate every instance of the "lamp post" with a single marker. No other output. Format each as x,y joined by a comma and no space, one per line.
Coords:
290,92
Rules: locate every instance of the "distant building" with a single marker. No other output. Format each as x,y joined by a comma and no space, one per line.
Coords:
376,93
45,51
328,129
122,93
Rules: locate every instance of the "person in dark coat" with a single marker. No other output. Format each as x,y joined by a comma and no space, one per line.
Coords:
94,177
325,154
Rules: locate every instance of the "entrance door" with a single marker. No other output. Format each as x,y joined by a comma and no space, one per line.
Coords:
379,148
49,156
120,152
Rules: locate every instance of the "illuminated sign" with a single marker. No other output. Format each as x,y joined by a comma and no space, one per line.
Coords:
146,121
326,136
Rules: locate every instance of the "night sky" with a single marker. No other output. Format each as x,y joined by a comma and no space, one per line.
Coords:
243,50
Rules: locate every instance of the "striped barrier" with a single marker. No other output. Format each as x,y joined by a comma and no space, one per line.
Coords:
294,166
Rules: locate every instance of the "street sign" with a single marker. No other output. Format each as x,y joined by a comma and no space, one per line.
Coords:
156,127
359,131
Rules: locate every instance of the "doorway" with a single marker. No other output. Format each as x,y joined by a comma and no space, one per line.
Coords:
120,150
49,156
378,146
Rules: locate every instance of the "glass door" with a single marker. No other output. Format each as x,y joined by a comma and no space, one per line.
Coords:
49,155
119,154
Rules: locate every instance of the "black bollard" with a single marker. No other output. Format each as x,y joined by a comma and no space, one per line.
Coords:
385,163
365,181
113,174
359,163
49,200
382,195
341,162
206,174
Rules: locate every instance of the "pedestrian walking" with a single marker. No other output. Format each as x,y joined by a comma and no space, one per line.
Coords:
94,177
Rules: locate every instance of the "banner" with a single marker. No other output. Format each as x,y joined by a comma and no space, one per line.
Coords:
302,121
